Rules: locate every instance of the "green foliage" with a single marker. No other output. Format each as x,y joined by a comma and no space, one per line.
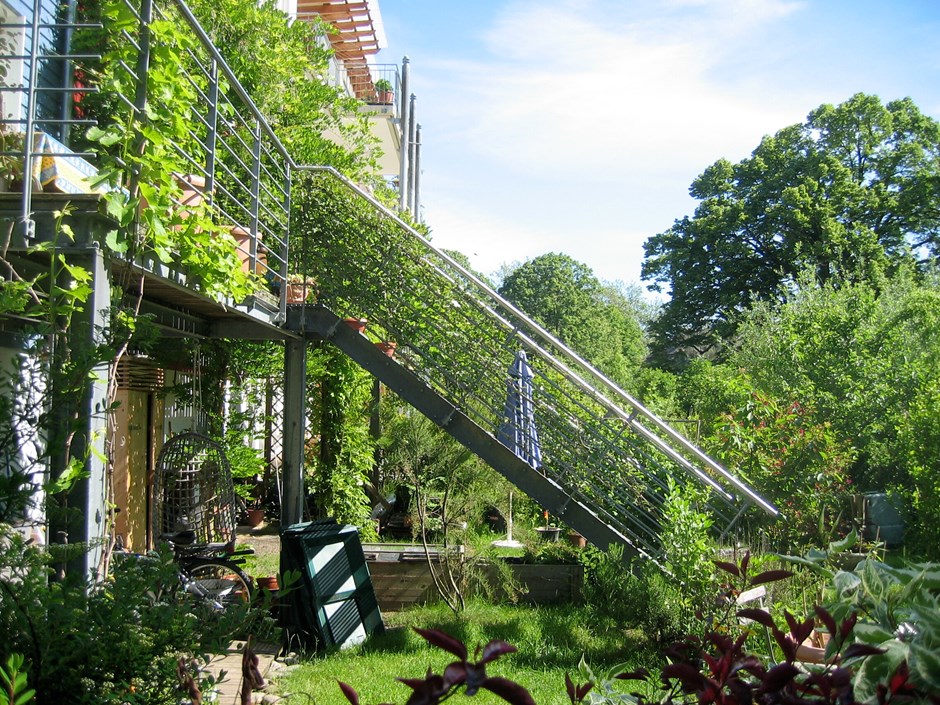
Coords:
595,320
285,69
796,462
114,642
636,596
865,365
445,479
893,608
141,154
340,402
13,690
689,550
919,442
842,195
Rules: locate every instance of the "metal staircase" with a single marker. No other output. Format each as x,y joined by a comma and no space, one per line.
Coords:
606,460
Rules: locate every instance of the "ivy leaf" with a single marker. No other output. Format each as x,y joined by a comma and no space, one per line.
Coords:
113,242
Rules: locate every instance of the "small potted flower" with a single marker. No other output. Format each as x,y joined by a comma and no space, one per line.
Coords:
384,92
300,289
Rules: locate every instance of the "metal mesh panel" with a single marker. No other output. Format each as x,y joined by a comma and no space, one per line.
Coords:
193,489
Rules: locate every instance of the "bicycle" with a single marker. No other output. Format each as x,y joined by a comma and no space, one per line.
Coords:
211,571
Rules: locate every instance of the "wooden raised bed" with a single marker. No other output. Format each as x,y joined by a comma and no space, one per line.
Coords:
401,578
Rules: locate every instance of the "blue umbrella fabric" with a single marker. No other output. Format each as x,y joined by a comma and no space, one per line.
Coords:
517,430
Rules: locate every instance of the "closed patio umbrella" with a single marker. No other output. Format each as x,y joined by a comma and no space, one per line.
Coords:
517,430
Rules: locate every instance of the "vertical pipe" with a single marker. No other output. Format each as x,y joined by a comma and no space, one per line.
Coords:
417,175
26,226
411,154
285,248
68,79
403,125
255,199
295,390
212,120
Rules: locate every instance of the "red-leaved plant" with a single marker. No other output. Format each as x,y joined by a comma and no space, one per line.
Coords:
718,669
714,669
461,674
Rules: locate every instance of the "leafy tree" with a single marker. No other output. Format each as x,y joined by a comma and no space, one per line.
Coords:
596,320
869,364
850,194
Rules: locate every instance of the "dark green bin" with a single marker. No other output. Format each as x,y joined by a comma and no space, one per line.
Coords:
334,604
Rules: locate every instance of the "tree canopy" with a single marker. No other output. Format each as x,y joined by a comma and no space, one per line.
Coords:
851,194
595,319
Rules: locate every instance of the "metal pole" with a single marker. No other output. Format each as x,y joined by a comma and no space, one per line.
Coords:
255,200
417,175
411,153
26,226
295,386
212,120
403,124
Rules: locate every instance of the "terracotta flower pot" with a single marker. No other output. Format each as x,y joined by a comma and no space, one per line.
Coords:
387,347
576,539
268,583
243,243
255,517
300,292
357,324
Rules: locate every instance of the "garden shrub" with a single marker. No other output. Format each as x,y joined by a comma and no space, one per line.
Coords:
119,641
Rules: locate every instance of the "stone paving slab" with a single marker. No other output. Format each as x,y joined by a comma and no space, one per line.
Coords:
229,690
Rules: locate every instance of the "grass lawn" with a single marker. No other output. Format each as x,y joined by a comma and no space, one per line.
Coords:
551,642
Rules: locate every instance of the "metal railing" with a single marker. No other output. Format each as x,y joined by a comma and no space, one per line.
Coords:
457,334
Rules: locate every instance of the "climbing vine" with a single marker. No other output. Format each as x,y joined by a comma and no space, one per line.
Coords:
341,452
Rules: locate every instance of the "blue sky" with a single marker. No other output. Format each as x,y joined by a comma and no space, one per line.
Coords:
576,126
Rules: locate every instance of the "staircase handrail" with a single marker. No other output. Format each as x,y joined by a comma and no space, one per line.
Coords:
563,369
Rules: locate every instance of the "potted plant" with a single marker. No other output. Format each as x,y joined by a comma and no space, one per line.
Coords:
357,324
388,347
300,288
384,92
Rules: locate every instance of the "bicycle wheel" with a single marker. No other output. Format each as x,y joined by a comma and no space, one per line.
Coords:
217,581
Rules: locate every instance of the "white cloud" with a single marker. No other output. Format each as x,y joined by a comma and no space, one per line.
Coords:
578,125
597,94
